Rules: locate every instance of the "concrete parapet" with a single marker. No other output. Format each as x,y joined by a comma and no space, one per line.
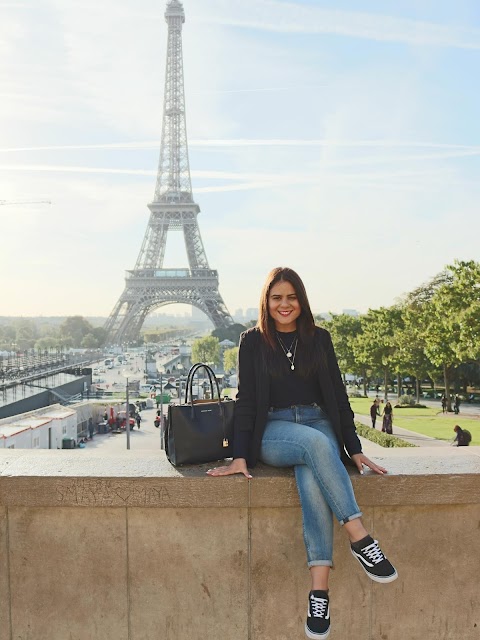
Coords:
125,547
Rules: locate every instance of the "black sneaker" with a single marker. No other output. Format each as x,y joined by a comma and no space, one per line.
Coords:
317,626
373,561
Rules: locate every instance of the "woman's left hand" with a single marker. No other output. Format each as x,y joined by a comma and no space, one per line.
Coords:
360,459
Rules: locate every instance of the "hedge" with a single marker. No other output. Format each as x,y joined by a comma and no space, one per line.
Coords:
383,439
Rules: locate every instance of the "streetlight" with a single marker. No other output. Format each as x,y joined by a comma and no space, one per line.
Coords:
162,427
126,373
180,369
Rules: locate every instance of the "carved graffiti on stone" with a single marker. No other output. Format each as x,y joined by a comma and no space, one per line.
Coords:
100,492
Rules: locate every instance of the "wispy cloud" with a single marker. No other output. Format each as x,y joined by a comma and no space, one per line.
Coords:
299,18
71,169
411,178
250,142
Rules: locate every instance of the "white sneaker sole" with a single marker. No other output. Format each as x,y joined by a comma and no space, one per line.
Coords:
316,636
384,579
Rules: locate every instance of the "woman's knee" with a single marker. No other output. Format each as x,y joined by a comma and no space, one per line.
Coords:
318,439
320,445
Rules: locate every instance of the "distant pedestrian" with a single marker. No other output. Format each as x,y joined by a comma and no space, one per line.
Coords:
90,428
444,403
374,412
456,404
138,419
387,425
462,437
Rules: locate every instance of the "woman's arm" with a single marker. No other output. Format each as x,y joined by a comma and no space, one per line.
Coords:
350,438
245,404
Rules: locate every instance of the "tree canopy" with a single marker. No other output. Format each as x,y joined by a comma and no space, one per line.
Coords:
206,350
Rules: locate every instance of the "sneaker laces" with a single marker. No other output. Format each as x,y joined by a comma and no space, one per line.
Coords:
318,606
373,552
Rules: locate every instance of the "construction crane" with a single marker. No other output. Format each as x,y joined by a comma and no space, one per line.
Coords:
6,202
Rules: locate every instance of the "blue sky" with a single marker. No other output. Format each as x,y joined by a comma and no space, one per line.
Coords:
339,138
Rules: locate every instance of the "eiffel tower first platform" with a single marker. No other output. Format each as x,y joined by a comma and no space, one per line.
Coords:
149,286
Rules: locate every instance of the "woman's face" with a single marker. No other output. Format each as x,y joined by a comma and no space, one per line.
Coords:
283,306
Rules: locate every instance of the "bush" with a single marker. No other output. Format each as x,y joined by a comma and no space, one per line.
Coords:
410,406
383,439
354,393
406,400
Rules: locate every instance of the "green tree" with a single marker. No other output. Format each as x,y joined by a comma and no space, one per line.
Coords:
8,336
452,336
231,332
230,357
74,329
26,334
89,341
375,345
46,343
343,329
100,335
206,350
410,342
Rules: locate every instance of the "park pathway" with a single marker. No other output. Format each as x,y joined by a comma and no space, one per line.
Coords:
418,439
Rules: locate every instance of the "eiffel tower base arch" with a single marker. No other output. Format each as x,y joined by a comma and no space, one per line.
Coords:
145,293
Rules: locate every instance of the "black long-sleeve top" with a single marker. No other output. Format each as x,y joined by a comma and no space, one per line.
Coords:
251,407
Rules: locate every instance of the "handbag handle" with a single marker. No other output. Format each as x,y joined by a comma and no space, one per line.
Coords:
212,378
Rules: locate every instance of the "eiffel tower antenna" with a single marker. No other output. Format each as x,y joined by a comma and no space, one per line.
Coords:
149,286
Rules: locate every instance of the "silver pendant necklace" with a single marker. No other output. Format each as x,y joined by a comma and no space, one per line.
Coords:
288,352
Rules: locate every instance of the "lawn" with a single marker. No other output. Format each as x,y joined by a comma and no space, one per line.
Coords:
427,421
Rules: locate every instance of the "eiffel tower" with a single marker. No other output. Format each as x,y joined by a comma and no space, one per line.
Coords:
149,286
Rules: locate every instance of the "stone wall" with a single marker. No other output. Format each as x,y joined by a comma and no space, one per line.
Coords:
124,547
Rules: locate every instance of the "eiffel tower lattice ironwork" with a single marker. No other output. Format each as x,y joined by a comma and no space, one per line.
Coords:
149,285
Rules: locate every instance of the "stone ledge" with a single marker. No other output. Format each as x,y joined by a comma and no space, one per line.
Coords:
143,479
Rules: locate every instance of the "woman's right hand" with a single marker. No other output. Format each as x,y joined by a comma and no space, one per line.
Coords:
238,465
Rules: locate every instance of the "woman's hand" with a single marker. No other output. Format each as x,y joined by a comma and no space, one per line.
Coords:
239,465
360,459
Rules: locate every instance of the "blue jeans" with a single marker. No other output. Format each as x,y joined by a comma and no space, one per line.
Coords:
302,436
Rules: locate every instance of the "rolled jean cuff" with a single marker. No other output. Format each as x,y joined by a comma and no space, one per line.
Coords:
320,563
355,515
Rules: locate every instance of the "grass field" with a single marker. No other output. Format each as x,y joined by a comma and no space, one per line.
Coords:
426,421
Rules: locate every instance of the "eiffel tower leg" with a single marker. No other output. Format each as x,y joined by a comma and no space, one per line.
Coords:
125,322
194,245
113,321
152,252
209,300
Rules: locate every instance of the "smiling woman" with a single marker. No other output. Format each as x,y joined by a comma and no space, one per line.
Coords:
283,306
292,411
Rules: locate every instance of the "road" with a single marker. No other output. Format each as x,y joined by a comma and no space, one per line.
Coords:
147,438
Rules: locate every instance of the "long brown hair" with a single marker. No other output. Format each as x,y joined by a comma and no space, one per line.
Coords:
305,321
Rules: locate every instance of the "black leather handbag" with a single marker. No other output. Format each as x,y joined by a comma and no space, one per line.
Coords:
200,431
